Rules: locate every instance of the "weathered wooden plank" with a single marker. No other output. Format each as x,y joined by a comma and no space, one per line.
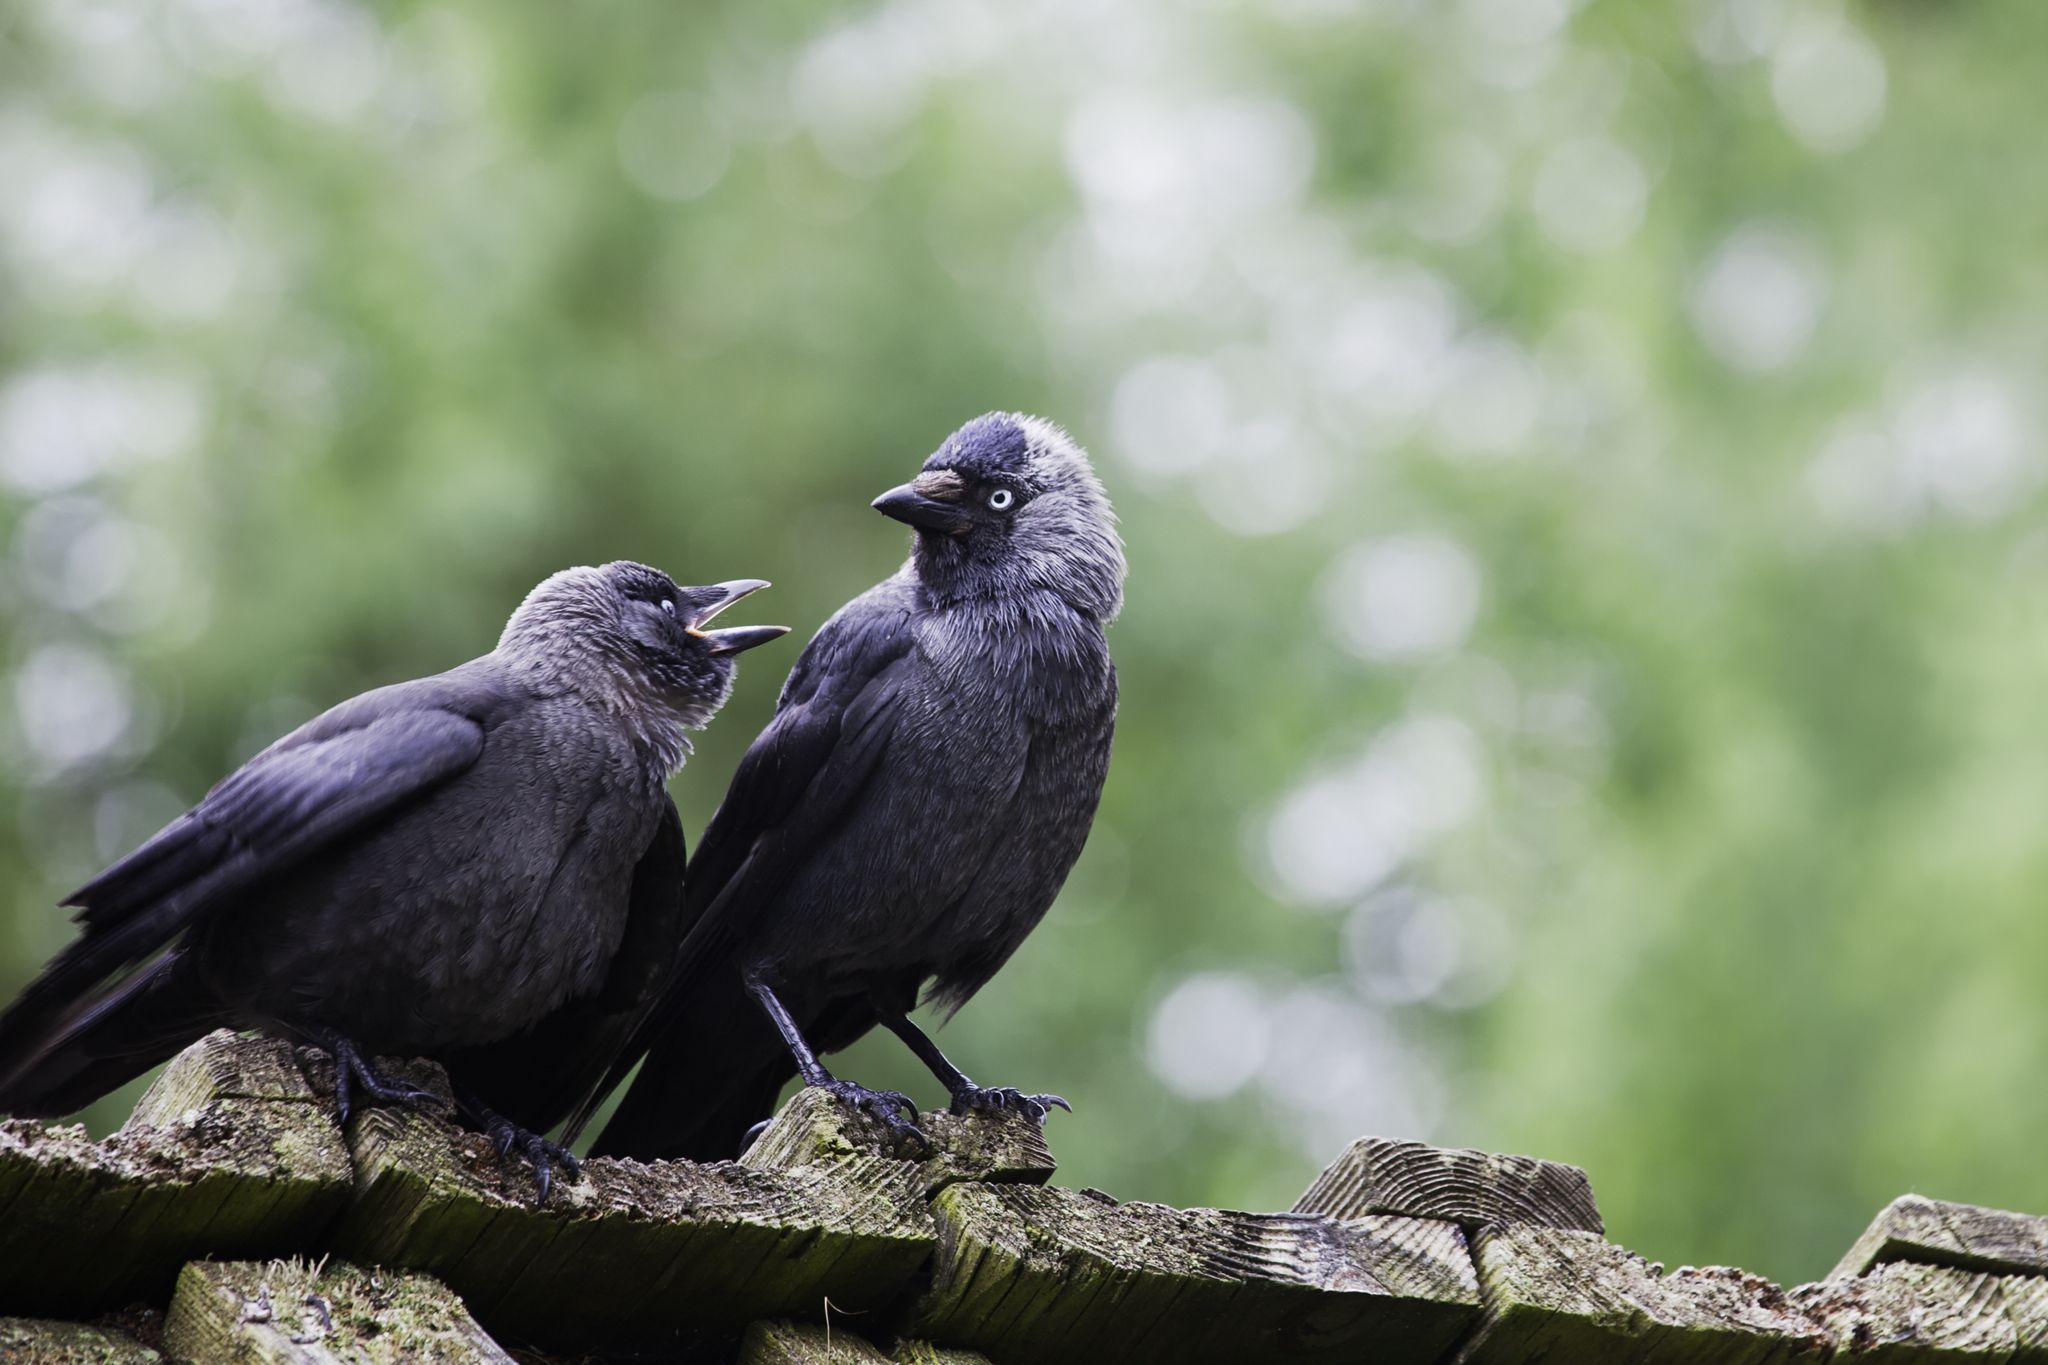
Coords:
2026,1303
632,1254
1471,1188
234,1160
1936,1232
293,1313
1907,1314
1555,1294
926,1353
804,1343
45,1341
811,1343
221,1066
1024,1272
815,1129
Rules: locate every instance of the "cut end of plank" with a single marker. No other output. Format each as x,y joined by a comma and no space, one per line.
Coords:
1471,1188
223,1065
1936,1232
293,1311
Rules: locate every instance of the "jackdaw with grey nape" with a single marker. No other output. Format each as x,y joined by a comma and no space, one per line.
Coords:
908,816
482,867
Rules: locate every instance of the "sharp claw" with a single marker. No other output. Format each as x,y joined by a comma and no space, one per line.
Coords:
996,1099
544,1156
537,1153
889,1106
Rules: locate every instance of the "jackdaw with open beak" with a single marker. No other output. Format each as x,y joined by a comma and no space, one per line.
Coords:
482,867
908,816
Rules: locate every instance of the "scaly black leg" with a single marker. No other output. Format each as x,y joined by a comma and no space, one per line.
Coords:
352,1068
967,1096
889,1106
506,1135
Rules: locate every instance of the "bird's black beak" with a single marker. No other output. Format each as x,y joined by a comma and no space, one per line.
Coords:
733,639
931,502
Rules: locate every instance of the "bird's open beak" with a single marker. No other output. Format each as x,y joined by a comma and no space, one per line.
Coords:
931,502
734,639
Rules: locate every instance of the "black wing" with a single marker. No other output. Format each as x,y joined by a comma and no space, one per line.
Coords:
799,779
541,1076
333,775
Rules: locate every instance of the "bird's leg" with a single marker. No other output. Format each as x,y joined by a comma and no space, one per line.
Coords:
506,1135
352,1068
967,1096
889,1106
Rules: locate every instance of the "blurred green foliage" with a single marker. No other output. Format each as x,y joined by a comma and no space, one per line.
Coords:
1581,473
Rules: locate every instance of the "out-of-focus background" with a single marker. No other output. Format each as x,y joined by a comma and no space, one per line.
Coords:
1582,473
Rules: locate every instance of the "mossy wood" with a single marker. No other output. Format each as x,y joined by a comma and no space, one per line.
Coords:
48,1341
828,1245
814,1129
1026,1273
1934,1232
1558,1294
803,1343
1917,1315
293,1313
630,1253
230,1153
809,1343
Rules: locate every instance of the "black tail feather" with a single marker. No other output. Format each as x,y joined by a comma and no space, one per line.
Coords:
715,1073
53,1065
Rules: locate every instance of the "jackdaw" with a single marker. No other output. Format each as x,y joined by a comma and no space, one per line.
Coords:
482,867
908,816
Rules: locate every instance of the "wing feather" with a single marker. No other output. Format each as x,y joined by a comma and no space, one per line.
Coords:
294,799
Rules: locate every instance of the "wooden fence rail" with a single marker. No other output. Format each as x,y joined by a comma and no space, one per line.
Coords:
231,1220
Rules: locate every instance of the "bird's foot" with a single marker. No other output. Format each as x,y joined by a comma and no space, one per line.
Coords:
540,1153
889,1106
352,1070
996,1099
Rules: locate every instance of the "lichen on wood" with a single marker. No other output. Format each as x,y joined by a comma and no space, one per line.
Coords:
1935,1232
222,1066
1913,1314
827,1245
296,1313
1024,1272
47,1341
1558,1294
213,1168
630,1254
818,1129
803,1343
827,1343
926,1353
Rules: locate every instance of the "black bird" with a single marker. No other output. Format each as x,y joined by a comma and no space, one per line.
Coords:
479,867
908,816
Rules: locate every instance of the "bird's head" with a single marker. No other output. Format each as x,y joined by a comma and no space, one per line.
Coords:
633,636
1009,504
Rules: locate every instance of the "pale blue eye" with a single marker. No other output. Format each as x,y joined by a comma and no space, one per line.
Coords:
1001,499
668,606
